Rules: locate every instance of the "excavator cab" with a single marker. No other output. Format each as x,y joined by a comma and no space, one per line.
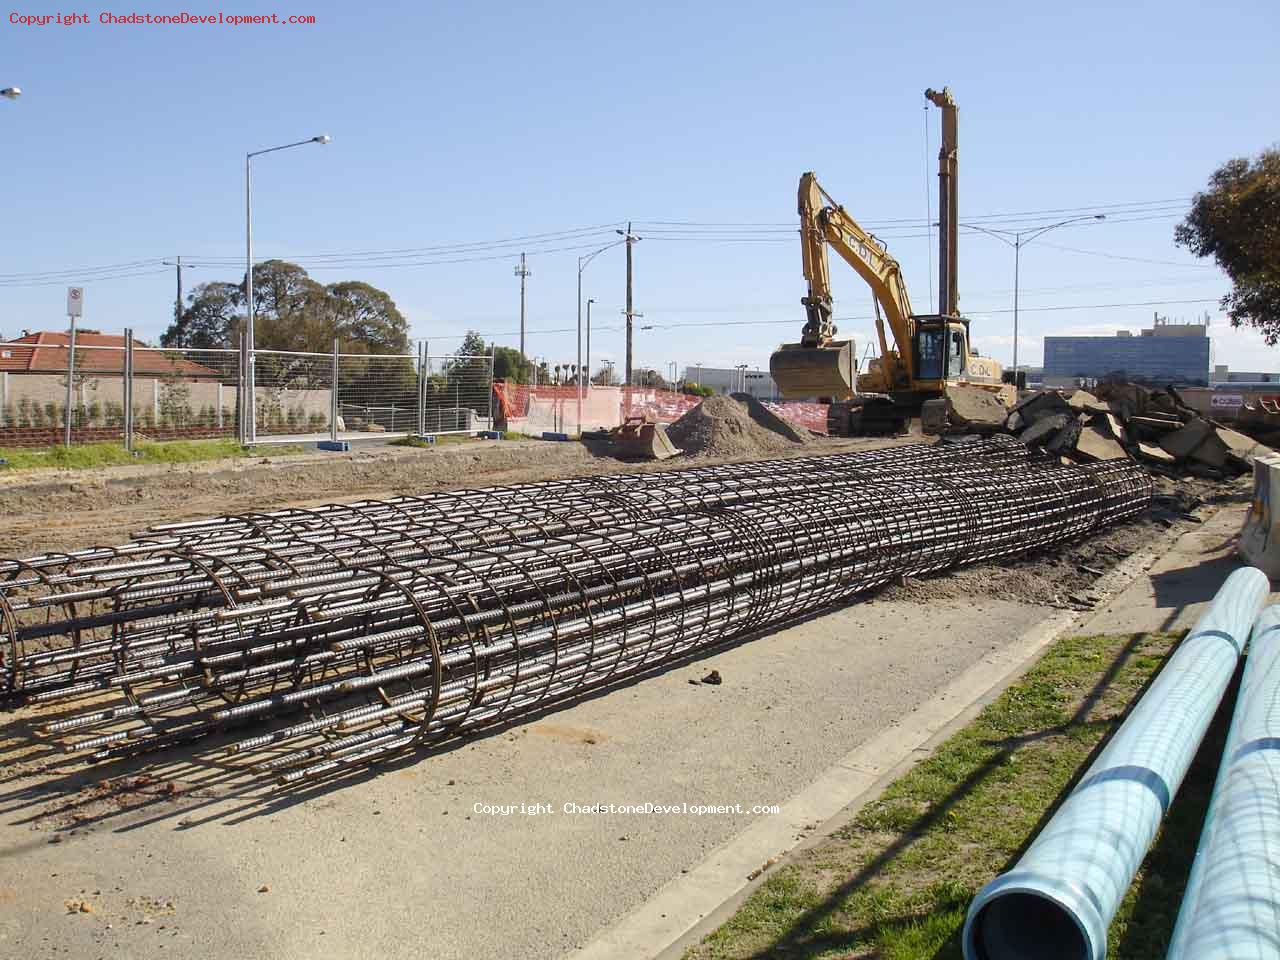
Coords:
941,348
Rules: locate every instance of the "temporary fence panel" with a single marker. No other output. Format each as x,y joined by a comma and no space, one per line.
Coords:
293,395
457,394
184,394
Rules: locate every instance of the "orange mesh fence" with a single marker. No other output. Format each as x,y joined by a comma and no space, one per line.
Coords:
664,406
609,406
810,416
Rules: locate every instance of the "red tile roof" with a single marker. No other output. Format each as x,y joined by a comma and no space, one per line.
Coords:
46,352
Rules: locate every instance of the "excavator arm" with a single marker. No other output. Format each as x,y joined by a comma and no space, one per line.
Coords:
820,365
824,222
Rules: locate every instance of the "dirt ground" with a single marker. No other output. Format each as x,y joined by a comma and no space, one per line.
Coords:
46,510
1062,577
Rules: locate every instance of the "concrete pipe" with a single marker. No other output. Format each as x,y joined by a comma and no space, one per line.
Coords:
1059,899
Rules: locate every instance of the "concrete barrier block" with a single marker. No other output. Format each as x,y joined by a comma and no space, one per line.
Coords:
1260,538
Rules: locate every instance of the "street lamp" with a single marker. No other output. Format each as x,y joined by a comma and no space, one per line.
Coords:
582,265
1020,239
11,93
249,426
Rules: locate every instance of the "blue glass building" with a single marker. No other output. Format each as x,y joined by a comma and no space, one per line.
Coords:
1156,359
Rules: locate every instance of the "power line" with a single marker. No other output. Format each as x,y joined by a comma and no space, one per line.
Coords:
860,319
1118,256
674,230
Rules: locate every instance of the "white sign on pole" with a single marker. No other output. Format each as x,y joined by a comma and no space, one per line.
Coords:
75,301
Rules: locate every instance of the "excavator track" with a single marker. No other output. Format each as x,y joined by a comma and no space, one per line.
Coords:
867,415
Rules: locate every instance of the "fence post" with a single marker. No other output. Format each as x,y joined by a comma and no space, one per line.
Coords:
155,401
422,388
127,392
240,431
219,418
333,396
71,375
4,397
492,353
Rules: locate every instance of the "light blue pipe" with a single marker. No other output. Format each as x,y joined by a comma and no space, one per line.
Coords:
1059,900
1231,910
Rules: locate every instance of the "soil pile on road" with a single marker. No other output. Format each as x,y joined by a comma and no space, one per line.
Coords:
726,427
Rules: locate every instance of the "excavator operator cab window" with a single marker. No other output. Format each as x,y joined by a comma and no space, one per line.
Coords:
930,354
955,356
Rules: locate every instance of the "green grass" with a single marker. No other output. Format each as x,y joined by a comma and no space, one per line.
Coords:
896,881
89,455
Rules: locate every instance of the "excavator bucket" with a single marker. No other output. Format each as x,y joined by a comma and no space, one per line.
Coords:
801,371
641,439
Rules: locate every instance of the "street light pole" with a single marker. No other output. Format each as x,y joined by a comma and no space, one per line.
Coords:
249,425
1020,239
582,265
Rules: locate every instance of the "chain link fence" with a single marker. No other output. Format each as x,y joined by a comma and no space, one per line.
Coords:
111,388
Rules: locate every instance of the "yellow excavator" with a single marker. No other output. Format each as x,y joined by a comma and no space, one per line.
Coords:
930,370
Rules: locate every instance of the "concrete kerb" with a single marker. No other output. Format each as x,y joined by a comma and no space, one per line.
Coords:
694,904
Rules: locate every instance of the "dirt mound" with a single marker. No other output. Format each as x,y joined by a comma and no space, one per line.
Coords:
771,421
728,427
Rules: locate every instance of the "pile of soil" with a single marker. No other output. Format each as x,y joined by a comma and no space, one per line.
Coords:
737,426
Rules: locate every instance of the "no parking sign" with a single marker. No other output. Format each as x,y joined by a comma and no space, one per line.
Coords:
75,301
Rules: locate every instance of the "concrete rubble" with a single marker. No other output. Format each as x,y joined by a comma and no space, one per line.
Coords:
1125,420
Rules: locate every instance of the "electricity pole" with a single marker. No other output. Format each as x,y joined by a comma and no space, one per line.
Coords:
177,310
522,272
631,240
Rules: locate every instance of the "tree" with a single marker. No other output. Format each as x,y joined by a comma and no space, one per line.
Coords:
291,312
510,364
211,319
1237,222
362,314
473,345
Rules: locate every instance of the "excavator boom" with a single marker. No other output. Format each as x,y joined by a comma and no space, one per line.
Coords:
820,365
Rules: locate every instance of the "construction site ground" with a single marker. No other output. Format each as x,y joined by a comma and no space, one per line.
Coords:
181,854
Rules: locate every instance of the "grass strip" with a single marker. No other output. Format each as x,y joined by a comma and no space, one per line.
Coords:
89,455
896,881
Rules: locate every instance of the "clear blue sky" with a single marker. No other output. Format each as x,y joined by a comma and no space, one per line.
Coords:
459,123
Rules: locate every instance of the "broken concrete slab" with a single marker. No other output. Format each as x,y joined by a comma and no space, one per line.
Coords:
1042,430
1241,445
1046,403
1152,452
1113,425
974,408
1083,400
1064,441
1182,443
1096,443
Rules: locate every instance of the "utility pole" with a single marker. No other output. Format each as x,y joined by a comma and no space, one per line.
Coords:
631,240
177,310
523,273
